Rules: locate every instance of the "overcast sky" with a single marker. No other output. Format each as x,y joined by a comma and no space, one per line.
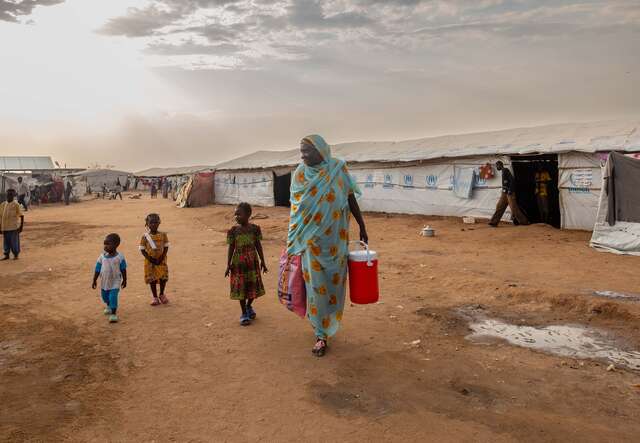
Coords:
136,83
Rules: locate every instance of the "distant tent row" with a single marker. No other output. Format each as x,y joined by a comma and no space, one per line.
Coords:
423,176
95,179
191,186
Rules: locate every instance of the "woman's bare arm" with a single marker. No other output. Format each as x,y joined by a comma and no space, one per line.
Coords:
355,210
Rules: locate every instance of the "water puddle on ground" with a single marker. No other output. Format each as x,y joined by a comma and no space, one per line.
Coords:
617,295
563,340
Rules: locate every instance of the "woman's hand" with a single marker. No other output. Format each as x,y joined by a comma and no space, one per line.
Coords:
264,268
228,271
94,285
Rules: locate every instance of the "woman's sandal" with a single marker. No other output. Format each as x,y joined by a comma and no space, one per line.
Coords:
320,348
251,313
245,320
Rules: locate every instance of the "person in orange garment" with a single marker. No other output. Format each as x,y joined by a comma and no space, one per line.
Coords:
543,178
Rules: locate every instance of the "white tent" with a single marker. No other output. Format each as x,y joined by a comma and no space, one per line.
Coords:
7,182
96,178
419,176
617,236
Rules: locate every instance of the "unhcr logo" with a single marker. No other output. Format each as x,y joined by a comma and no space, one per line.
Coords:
369,181
388,181
408,181
432,181
581,180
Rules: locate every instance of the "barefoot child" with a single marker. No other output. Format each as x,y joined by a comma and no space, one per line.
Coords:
112,270
242,262
154,246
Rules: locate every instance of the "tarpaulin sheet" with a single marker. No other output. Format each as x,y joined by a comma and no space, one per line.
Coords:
463,181
580,180
202,190
621,238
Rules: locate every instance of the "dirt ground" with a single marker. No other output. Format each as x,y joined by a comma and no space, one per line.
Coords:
189,372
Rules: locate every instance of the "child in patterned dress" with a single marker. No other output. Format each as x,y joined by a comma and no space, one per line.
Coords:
154,246
242,262
111,267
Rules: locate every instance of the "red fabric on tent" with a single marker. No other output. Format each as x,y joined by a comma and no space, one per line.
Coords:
202,190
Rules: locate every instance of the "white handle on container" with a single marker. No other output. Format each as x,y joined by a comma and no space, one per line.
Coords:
366,248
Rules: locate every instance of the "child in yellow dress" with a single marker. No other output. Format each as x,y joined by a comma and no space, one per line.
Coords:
154,246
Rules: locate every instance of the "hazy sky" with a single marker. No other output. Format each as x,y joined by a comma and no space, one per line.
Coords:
136,83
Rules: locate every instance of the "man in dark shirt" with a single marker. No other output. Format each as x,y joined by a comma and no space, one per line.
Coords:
507,198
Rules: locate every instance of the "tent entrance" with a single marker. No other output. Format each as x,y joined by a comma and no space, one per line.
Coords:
281,187
526,169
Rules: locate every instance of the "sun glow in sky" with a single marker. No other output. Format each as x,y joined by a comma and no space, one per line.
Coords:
140,83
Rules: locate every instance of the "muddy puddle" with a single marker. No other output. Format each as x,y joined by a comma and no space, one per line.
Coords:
562,340
617,295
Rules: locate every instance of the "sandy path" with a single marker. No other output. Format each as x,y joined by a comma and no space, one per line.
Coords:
188,372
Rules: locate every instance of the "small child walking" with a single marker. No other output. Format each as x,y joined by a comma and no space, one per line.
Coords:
112,270
154,246
242,262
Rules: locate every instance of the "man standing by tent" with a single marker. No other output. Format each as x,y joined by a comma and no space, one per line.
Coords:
507,198
68,189
23,193
165,188
542,193
118,190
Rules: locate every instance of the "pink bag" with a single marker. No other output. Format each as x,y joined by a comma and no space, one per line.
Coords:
291,289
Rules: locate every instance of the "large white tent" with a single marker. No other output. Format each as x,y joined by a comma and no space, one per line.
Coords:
419,176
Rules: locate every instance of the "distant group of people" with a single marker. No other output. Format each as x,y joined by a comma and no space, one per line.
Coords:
164,184
27,197
112,193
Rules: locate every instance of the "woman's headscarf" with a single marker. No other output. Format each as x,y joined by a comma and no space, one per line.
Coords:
319,194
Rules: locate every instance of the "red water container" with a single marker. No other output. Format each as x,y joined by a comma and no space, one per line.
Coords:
363,276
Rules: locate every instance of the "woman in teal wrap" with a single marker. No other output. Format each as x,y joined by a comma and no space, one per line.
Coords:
322,194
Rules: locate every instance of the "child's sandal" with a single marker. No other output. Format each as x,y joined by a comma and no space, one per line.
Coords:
251,313
164,300
245,320
320,348
155,302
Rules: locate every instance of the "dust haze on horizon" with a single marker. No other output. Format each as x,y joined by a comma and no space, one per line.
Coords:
138,84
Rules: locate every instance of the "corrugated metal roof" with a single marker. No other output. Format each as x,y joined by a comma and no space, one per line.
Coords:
583,137
25,163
